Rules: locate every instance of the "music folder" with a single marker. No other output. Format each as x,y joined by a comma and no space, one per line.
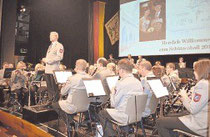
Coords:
61,76
8,72
157,87
111,81
94,87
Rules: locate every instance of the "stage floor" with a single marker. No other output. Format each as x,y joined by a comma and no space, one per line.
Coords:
56,128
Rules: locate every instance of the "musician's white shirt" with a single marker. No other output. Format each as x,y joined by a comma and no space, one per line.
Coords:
197,120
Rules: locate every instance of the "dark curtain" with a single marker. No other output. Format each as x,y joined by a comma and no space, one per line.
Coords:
90,33
69,18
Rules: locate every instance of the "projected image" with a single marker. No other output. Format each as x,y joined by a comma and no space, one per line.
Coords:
152,20
164,27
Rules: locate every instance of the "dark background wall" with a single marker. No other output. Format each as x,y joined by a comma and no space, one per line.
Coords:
112,7
69,18
7,42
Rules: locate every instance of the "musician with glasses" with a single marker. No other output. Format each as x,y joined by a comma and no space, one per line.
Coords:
196,122
127,85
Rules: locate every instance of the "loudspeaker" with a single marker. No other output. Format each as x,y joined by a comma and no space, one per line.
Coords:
39,114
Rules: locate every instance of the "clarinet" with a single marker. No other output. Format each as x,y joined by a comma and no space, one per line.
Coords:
94,71
187,87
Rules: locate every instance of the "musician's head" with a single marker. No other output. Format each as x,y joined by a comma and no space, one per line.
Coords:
21,65
181,59
170,67
81,65
124,67
5,65
111,66
53,36
158,70
144,68
102,62
202,69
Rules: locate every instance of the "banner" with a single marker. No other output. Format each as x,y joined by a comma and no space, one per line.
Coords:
98,29
112,28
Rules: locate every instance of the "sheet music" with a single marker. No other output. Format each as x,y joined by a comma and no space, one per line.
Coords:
111,81
158,88
62,76
94,87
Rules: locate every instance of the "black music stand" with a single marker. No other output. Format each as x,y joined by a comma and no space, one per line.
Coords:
8,72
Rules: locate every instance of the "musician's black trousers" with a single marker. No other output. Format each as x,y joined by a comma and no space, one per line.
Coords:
52,88
61,113
1,95
166,125
105,118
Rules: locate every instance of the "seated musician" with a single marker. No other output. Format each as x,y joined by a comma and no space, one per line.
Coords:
145,69
112,68
182,64
18,82
127,85
171,79
101,73
198,106
3,82
73,84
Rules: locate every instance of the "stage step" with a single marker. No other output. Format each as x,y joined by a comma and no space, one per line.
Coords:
39,114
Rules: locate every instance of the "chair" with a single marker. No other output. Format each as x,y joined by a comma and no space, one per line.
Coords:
153,108
134,113
153,104
80,100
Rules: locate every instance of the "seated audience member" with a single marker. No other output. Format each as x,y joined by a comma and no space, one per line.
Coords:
197,121
145,69
182,64
130,58
171,79
73,84
126,86
18,83
102,72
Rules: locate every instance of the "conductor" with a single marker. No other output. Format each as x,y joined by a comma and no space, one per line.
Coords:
53,57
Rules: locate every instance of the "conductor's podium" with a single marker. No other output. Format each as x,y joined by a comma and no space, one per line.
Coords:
39,114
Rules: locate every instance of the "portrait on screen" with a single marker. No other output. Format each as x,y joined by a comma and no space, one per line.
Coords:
152,20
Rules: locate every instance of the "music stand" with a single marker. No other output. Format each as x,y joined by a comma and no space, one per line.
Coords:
8,72
94,87
61,76
157,87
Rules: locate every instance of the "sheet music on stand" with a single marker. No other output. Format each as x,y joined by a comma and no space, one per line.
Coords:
157,87
94,87
61,76
112,81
